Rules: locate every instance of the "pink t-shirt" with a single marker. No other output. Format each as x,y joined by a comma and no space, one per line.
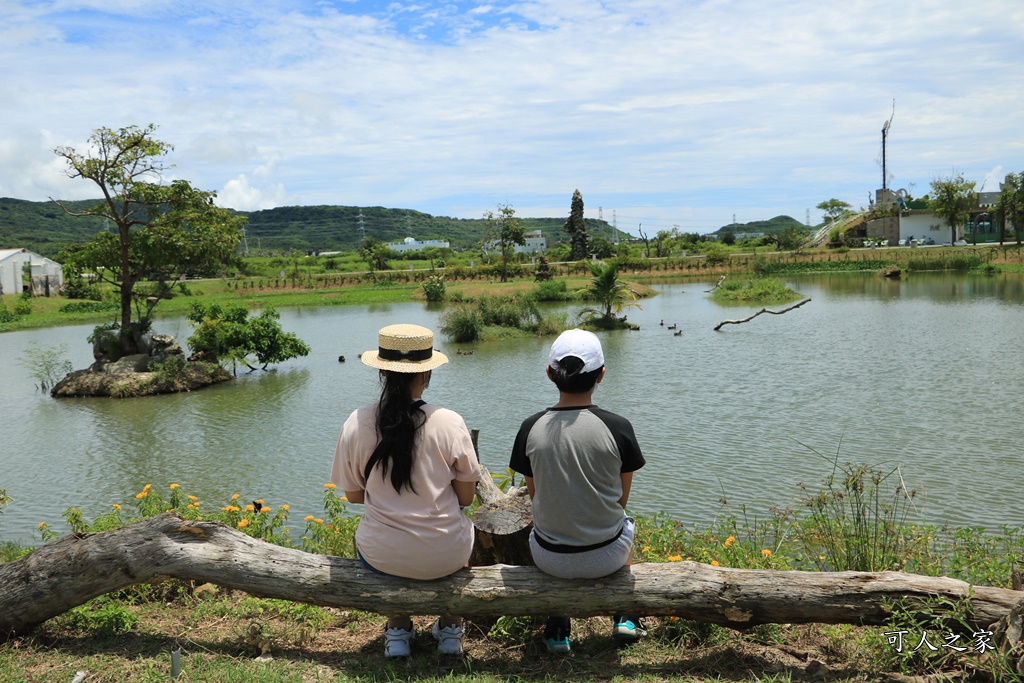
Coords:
422,535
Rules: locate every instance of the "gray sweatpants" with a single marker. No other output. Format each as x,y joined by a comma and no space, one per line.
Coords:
590,564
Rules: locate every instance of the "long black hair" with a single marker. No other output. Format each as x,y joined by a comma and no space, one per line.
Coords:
398,421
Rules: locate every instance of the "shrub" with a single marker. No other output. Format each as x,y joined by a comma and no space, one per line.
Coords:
434,289
462,324
47,365
6,315
78,288
551,290
89,306
23,306
715,254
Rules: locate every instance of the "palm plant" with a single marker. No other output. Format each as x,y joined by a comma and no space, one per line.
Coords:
608,290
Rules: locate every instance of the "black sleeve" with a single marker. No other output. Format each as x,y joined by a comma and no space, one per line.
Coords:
625,438
520,461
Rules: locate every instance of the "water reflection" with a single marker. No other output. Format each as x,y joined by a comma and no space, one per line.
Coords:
917,372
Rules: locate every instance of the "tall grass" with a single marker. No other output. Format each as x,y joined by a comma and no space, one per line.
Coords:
958,261
858,521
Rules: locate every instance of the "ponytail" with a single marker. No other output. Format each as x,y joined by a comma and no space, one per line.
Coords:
398,421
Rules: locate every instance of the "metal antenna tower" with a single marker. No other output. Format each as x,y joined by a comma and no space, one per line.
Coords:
885,134
362,226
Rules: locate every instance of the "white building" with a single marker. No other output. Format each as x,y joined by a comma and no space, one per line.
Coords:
409,244
44,272
535,243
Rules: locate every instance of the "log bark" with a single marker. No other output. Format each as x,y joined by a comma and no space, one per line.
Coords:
61,575
503,523
763,310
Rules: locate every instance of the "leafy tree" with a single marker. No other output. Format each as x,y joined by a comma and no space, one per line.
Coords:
1011,204
577,229
663,243
601,247
161,232
228,335
952,200
728,238
375,253
833,209
507,231
791,238
607,289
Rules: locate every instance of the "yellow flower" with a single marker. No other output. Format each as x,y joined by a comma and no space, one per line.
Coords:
307,518
714,563
766,552
42,525
116,506
243,523
264,509
344,499
175,486
193,498
645,549
260,501
250,508
319,521
286,507
147,487
141,495
329,526
729,541
675,558
330,485
234,497
673,619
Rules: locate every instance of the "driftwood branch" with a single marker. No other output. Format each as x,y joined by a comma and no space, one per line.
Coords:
717,285
66,573
763,310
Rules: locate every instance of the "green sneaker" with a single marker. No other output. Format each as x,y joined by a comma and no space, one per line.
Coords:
627,629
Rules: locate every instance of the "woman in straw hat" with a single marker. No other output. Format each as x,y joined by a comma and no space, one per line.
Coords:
414,467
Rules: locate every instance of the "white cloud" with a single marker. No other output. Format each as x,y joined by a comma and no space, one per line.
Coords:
667,110
239,194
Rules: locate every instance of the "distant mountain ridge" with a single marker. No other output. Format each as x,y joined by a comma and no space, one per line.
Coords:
45,228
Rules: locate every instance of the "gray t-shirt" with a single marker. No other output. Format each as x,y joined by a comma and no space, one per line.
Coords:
575,457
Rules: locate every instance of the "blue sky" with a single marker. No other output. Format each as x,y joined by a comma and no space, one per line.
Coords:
661,112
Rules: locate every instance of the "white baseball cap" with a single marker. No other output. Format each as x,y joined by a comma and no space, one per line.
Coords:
580,343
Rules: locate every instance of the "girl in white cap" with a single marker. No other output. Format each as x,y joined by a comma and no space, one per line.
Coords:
413,466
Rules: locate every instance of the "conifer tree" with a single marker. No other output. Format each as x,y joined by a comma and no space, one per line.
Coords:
577,229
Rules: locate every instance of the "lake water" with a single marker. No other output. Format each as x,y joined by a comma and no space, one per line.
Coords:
921,372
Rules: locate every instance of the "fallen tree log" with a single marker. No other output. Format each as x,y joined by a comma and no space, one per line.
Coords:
720,325
69,572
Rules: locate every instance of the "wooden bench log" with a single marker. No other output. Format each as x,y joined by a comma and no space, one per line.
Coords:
66,573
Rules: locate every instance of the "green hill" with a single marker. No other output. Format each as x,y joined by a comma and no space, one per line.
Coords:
772,226
45,228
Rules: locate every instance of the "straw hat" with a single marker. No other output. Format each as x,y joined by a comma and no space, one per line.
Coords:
404,348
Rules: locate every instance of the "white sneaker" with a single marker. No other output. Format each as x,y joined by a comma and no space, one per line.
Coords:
398,642
449,638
